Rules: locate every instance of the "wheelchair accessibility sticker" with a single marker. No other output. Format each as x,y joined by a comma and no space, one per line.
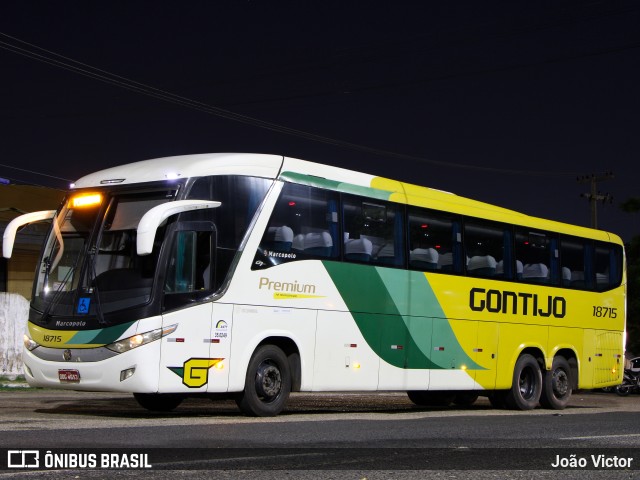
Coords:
83,305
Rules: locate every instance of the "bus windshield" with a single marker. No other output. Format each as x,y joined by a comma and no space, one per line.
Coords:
90,265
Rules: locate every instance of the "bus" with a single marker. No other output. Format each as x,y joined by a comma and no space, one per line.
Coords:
253,276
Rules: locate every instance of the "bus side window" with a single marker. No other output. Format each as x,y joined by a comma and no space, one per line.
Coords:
607,266
190,266
572,261
373,231
241,197
488,249
303,225
432,241
539,255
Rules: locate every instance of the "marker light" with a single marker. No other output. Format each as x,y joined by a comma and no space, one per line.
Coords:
86,200
356,365
111,181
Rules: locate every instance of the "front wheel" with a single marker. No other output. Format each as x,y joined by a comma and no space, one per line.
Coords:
267,384
556,387
527,384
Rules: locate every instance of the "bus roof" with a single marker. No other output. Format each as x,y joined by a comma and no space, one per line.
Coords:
326,176
184,166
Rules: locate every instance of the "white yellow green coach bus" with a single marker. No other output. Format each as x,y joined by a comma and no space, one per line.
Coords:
257,275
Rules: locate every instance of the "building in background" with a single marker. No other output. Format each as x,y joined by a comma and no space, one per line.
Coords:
17,273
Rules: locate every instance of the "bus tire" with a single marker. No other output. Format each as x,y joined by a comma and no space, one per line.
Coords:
425,398
556,385
158,402
527,384
267,383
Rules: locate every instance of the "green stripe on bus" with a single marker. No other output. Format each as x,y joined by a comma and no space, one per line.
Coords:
103,336
398,323
320,182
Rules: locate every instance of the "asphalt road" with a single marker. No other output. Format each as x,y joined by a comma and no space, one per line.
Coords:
352,435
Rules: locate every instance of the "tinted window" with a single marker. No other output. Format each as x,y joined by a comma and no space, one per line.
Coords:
433,241
240,197
608,266
303,225
538,254
572,259
487,248
373,231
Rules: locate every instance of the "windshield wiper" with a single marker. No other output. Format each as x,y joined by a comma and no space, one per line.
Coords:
57,294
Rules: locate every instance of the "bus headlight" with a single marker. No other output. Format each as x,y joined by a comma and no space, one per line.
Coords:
140,339
29,343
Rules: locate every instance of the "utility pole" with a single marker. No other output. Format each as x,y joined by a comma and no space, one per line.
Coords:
594,196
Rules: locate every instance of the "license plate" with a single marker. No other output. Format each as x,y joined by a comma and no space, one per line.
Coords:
69,376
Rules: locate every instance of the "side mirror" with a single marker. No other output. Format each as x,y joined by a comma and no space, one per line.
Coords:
9,236
151,220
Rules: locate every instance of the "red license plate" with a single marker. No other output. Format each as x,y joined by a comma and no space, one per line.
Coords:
69,376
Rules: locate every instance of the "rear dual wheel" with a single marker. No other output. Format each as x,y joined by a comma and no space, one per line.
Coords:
552,389
527,384
557,385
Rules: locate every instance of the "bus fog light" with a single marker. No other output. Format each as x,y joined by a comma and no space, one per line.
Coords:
128,373
29,343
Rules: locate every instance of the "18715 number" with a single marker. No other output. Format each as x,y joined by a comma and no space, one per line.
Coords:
605,312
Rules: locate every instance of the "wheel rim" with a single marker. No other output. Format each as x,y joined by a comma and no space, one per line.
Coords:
268,381
560,382
527,383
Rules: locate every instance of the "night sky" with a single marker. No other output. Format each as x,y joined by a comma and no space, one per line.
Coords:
503,102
